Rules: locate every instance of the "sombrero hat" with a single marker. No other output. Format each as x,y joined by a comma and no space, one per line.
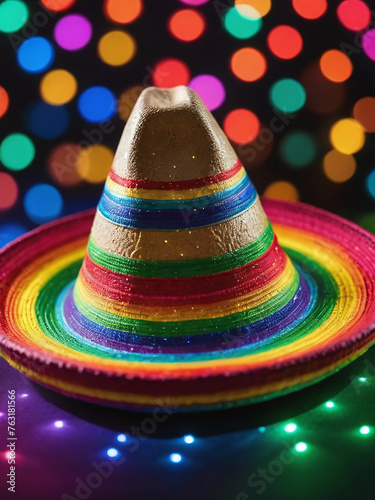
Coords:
182,289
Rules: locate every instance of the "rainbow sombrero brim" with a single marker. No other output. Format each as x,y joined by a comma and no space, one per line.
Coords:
335,258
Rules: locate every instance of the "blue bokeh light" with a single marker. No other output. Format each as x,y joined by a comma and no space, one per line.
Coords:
112,452
46,121
121,438
189,439
35,55
43,203
10,231
97,104
175,458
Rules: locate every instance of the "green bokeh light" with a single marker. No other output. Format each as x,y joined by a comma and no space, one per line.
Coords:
301,447
368,222
364,430
290,427
287,95
330,404
13,15
241,26
298,149
17,151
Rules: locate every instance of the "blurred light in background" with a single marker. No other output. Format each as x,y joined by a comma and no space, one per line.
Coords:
298,149
46,121
310,9
4,101
347,136
248,64
58,5
210,89
261,6
241,126
282,190
127,100
368,43
17,151
187,25
94,162
97,104
62,164
58,87
240,25
288,95
339,167
285,42
170,73
8,191
35,54
336,66
364,113
123,12
13,15
117,48
43,203
354,14
73,32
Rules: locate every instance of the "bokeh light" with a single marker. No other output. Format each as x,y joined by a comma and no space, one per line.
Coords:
368,43
261,6
285,42
355,15
329,404
187,25
58,87
298,149
4,101
189,439
17,151
248,64
301,447
94,162
339,167
122,12
310,9
73,32
240,25
117,48
364,430
127,100
336,65
210,89
170,73
13,15
97,104
10,231
364,113
241,126
35,54
370,183
322,95
62,164
58,5
347,136
287,95
282,190
291,427
8,191
46,121
59,424
121,438
175,458
43,203
112,452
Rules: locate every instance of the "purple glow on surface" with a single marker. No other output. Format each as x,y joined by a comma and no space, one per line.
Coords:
210,89
24,395
368,43
73,32
59,423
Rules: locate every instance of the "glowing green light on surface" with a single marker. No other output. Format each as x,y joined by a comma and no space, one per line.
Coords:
13,15
330,404
261,429
298,149
290,427
288,95
240,25
17,151
301,447
362,379
365,429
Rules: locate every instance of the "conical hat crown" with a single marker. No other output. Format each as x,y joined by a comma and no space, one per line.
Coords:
181,251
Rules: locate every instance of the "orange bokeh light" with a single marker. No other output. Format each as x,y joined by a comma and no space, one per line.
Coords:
241,126
336,66
123,11
364,113
187,25
282,190
310,9
248,64
285,42
58,5
4,101
170,73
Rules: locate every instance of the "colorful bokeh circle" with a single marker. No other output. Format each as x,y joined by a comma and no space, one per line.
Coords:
13,15
347,136
261,6
364,113
58,87
242,23
17,151
335,65
339,167
210,89
288,95
97,104
310,9
355,15
94,162
248,64
123,12
170,73
187,25
73,32
58,5
285,42
43,203
47,121
8,191
241,126
282,190
35,54
298,149
4,101
117,48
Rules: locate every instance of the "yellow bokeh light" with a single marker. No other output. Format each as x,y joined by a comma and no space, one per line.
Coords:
282,190
339,167
347,136
58,87
116,48
94,162
261,6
